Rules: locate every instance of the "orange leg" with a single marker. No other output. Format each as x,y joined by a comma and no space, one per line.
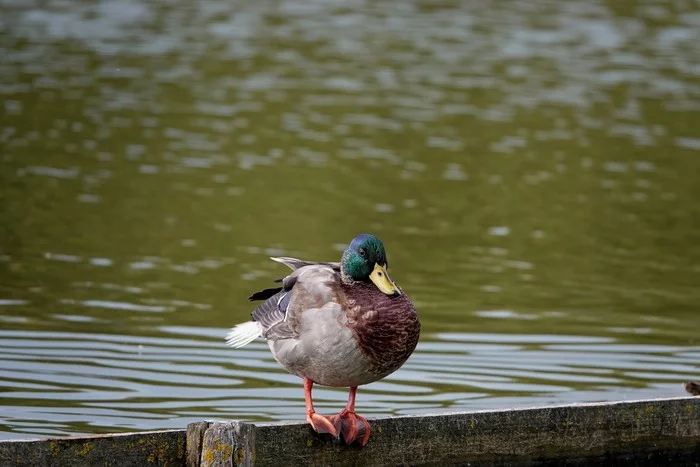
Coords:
318,422
352,426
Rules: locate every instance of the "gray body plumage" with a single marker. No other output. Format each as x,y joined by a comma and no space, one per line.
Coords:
316,328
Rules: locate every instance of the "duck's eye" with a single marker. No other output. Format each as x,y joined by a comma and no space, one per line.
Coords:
362,252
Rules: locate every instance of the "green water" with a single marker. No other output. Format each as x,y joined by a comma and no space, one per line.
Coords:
532,167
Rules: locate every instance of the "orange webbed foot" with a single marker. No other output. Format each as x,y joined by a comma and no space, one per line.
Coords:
353,427
321,424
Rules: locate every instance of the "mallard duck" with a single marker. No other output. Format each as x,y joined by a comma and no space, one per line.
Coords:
336,324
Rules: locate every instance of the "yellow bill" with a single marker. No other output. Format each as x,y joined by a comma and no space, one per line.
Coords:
382,281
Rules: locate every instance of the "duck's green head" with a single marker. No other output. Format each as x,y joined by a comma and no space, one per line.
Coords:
365,260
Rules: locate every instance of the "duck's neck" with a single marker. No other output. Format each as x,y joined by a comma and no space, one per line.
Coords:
348,280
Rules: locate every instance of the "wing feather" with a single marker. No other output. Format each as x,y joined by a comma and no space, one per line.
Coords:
294,263
308,286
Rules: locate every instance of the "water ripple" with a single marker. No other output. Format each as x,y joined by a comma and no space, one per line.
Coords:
65,383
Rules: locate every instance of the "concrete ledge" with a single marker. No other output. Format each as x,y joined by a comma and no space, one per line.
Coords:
639,433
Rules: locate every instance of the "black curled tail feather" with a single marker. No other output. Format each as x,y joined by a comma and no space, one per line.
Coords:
265,294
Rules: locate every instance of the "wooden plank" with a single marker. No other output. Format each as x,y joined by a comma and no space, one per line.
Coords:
665,431
195,437
154,448
639,433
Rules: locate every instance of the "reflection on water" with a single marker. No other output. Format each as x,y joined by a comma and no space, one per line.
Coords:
531,166
84,382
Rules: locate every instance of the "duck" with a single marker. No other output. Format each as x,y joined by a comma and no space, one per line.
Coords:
337,324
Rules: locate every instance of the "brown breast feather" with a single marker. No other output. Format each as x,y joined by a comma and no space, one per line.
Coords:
386,328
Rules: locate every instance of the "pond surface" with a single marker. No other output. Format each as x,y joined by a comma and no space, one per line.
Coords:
533,168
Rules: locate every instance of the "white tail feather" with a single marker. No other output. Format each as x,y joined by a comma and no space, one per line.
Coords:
243,334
